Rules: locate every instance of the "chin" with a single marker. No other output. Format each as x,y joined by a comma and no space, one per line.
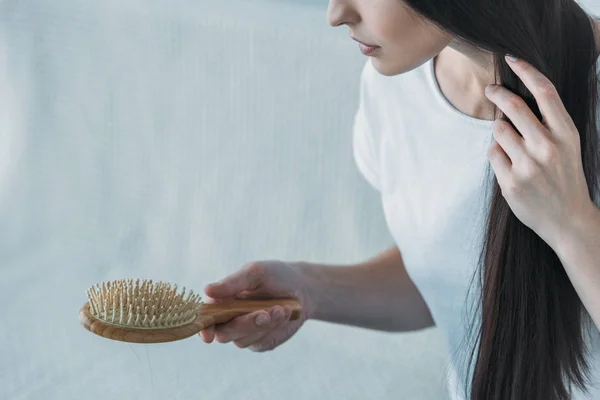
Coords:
388,68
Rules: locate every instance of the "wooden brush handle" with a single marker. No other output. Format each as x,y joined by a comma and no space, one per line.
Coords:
225,312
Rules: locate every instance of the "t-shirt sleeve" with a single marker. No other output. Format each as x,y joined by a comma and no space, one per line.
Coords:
366,135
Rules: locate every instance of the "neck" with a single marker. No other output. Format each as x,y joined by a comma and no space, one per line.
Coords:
462,76
463,72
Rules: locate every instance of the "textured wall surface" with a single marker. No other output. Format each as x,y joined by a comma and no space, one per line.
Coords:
178,140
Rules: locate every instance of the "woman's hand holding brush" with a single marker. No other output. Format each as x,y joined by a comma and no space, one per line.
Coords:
261,330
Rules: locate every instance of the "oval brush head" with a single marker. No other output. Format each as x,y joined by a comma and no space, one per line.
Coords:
147,312
140,311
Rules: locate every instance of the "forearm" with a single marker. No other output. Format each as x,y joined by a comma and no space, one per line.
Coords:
579,252
377,294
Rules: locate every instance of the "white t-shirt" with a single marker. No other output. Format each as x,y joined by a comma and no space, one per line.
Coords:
428,161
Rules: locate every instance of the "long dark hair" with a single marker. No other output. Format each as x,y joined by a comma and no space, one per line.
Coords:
530,338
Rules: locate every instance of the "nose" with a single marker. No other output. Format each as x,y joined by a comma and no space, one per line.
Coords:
341,12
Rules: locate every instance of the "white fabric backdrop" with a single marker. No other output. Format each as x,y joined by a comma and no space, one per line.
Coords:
177,140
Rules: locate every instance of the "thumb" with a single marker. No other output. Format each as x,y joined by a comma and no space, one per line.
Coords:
247,279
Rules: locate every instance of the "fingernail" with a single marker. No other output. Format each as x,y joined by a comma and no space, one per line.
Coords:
262,319
511,58
277,314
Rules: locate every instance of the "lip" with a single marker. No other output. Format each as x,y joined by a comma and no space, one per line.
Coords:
365,48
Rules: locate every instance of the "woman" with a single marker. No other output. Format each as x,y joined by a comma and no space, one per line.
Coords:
487,167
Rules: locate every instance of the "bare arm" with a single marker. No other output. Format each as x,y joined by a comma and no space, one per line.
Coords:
377,294
579,251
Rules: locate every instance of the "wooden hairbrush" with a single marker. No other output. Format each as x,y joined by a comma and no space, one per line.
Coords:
146,312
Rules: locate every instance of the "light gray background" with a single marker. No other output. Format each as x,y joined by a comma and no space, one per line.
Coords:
177,140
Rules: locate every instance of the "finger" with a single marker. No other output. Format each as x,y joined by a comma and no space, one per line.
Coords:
509,140
273,339
518,112
208,334
500,162
250,340
276,323
242,326
248,278
209,300
247,325
543,90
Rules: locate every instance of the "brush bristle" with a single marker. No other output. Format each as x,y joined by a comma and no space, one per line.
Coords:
142,304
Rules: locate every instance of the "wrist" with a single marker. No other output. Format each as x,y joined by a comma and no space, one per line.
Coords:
576,230
311,287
